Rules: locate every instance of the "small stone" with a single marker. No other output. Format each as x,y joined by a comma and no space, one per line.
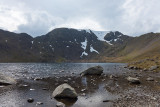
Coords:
150,79
133,80
83,94
106,100
44,89
39,103
32,89
30,100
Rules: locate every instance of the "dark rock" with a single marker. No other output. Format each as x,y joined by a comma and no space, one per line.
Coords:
44,88
97,70
64,91
106,100
30,100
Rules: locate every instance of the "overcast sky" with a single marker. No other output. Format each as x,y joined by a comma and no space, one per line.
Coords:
37,17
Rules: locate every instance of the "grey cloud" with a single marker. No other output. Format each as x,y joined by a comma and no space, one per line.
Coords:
132,17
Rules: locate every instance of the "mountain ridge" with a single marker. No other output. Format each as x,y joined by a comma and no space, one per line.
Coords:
72,45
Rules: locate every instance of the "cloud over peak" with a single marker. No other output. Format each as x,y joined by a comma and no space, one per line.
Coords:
132,17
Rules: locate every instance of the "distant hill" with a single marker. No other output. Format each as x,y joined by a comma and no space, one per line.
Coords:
76,45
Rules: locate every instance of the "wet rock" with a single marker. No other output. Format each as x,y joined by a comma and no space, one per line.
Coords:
150,79
30,100
153,68
39,103
59,104
97,70
64,91
133,80
5,80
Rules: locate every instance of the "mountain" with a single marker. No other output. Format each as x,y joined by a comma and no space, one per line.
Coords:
75,45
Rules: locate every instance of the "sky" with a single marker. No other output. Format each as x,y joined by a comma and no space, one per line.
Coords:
38,17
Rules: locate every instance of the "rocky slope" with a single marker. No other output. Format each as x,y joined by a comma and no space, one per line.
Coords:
72,45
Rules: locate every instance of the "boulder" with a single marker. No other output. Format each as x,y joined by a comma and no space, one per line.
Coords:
133,80
153,68
64,91
97,70
5,80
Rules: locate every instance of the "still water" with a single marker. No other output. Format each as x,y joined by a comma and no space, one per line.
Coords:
91,90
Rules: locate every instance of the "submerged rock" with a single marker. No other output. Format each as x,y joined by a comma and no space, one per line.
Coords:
133,80
59,104
30,100
5,80
64,91
97,70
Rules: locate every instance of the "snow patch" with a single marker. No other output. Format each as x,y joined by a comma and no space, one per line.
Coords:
115,39
93,50
84,53
84,44
67,46
100,35
6,41
32,42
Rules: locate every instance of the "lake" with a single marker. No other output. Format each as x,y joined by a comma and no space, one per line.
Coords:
38,81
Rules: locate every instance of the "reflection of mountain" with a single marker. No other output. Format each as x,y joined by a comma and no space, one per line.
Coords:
64,44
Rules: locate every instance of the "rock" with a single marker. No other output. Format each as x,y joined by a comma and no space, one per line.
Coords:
145,69
64,91
150,79
37,79
5,80
113,76
61,71
39,103
59,104
153,68
30,100
31,89
44,88
133,80
131,67
97,70
106,100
